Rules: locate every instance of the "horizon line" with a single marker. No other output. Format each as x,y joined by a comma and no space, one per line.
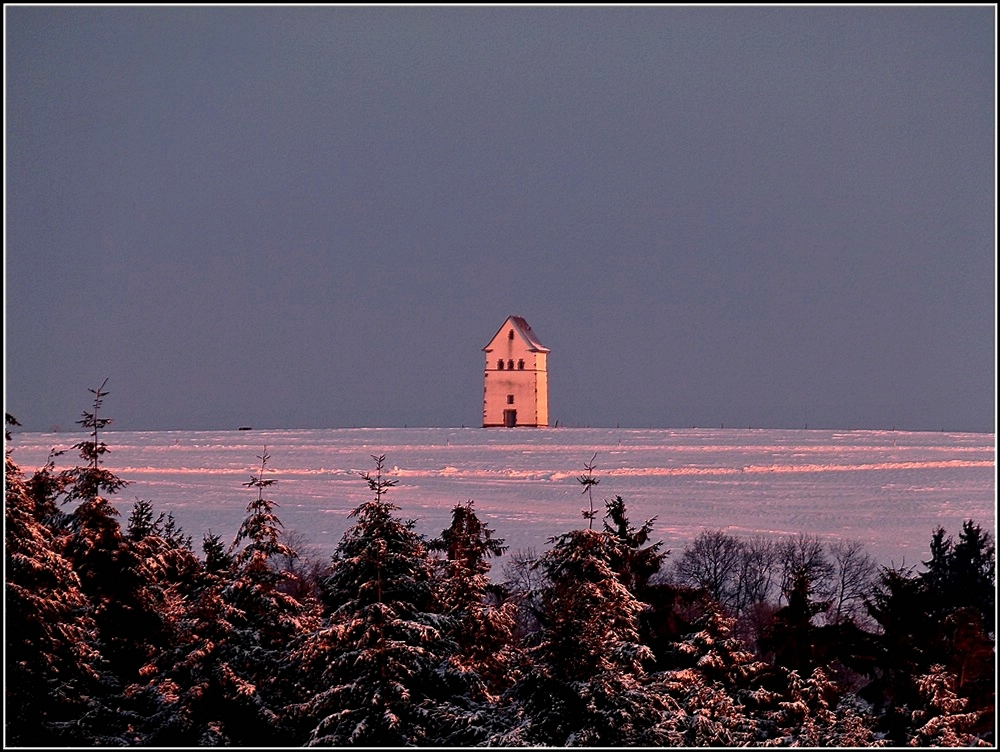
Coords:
528,429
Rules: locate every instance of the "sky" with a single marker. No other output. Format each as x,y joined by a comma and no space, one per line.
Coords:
314,217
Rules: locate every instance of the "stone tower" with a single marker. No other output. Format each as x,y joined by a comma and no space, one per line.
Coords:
516,381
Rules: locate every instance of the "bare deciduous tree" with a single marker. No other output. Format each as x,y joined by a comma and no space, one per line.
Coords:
803,556
521,573
853,575
525,579
755,573
712,562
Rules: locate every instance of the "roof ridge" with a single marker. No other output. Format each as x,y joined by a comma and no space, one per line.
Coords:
522,325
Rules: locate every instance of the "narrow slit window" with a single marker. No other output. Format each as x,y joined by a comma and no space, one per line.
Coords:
520,365
510,399
510,334
500,365
510,365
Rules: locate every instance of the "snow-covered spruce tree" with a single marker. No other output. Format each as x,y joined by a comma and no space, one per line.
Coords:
264,618
52,666
47,488
222,681
717,688
95,541
194,697
257,586
726,696
588,481
944,719
640,559
165,553
158,555
789,639
141,525
587,684
925,622
133,621
720,656
371,673
85,483
483,628
484,659
815,712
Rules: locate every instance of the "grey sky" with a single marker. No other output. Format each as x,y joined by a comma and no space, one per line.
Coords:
317,217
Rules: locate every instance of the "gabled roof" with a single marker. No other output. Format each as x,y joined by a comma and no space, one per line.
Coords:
523,328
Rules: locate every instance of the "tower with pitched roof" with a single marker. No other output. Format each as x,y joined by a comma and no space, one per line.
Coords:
516,380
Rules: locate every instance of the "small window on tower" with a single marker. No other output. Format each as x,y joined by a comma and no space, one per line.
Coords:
510,334
520,365
510,399
510,365
500,365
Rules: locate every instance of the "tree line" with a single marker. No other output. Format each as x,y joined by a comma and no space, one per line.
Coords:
124,635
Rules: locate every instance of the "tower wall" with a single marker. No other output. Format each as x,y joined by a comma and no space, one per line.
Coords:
515,379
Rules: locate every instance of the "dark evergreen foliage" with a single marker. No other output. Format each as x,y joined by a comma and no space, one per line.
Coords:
638,561
935,623
194,696
790,637
52,665
963,574
372,667
483,627
265,619
585,682
272,616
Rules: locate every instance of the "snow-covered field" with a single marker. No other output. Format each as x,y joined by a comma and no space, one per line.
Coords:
889,489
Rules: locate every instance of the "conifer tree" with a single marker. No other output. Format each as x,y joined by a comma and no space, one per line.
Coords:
52,665
586,685
639,561
164,550
218,560
195,697
256,588
897,604
47,489
810,713
588,481
944,719
266,619
128,627
96,540
85,483
482,629
129,606
973,573
790,637
370,671
224,681
717,687
935,618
